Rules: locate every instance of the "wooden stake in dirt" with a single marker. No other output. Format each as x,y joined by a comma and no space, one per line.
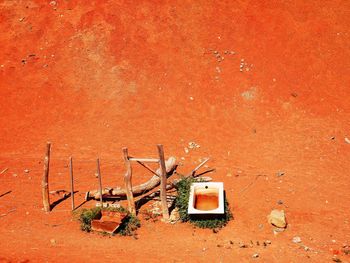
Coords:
163,182
71,181
45,179
127,182
99,181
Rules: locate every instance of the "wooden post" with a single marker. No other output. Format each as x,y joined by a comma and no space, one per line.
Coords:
99,181
45,179
163,182
71,181
127,182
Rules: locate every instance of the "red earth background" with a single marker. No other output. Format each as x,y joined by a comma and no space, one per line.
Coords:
94,76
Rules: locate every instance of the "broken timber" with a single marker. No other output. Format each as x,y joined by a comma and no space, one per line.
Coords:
170,165
45,179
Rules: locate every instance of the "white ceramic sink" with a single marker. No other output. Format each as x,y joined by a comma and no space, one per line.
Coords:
206,198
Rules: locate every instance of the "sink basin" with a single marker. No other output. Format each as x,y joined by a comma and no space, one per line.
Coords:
206,198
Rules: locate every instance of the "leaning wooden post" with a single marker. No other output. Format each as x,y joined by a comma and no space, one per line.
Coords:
71,181
163,182
99,181
127,182
45,179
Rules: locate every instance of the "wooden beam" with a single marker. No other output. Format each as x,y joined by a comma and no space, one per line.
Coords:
127,182
170,165
71,181
148,168
199,166
45,179
163,183
145,160
99,180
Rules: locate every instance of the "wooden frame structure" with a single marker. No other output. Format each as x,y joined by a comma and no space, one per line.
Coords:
163,178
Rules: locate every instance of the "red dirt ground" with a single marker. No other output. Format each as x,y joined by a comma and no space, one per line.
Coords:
93,77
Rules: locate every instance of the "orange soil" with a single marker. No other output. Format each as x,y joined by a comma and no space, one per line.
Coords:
93,77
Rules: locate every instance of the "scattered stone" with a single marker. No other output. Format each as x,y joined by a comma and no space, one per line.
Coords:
293,94
241,245
204,249
14,175
306,248
279,174
193,145
191,98
333,138
53,242
347,140
231,242
215,230
229,175
335,259
296,240
277,218
186,150
268,242
174,216
53,3
256,255
280,202
26,171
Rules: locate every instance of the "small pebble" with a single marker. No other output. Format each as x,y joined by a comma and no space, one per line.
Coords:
306,248
256,255
241,245
347,140
280,173
26,171
296,239
280,202
53,241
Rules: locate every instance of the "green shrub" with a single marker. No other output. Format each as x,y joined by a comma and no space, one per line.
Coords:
183,194
86,216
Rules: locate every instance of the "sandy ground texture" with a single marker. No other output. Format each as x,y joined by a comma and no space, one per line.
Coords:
261,86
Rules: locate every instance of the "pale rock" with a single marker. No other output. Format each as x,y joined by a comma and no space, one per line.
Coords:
296,240
277,218
174,216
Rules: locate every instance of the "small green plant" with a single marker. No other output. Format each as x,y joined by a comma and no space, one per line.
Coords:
183,194
86,216
127,228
